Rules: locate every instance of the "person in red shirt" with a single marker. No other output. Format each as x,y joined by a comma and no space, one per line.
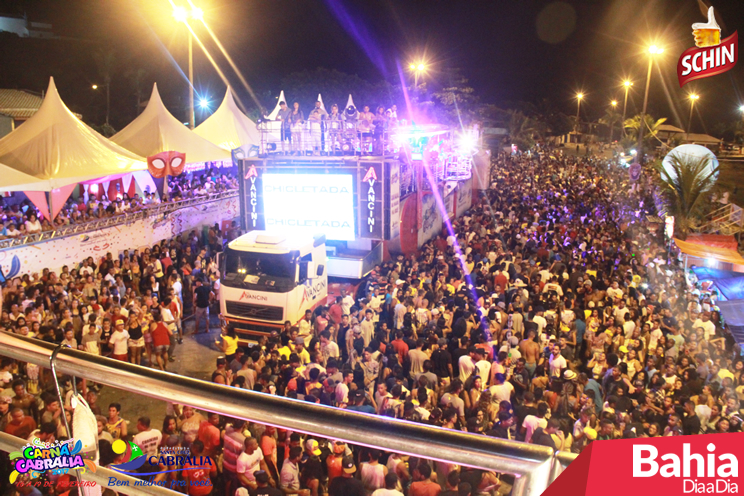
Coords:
334,463
424,485
321,321
20,425
198,476
210,436
160,340
336,311
400,346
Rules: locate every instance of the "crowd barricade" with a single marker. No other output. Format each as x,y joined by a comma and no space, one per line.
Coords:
316,137
125,218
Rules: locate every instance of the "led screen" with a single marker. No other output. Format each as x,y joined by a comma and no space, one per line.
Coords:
310,204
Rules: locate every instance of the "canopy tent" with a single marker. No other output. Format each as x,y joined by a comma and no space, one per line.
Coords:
733,313
228,127
717,240
714,274
155,130
14,180
725,255
274,113
58,149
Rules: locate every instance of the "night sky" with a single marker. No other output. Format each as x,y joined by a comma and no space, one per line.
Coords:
519,50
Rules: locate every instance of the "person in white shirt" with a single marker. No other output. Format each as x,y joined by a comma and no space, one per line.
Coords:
615,292
466,365
347,301
375,303
328,348
539,320
532,422
251,460
147,439
557,362
709,328
391,482
342,389
502,390
654,336
400,313
482,367
119,341
628,328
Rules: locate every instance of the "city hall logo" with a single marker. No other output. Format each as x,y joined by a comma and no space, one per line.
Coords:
710,55
133,459
701,473
58,458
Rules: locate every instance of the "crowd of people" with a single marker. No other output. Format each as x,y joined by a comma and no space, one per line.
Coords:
20,217
552,313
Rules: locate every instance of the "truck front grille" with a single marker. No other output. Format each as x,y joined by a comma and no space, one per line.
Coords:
251,311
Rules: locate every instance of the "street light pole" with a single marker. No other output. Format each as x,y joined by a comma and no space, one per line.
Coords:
579,96
693,97
612,124
183,15
652,50
192,120
627,85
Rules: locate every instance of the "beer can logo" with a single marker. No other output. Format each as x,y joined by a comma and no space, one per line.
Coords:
711,55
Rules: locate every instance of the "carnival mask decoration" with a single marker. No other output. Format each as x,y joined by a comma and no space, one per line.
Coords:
166,164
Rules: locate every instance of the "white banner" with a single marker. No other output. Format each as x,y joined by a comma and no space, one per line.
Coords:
464,196
71,250
394,199
431,219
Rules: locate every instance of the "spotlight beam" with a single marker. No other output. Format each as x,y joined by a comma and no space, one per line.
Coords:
204,49
232,64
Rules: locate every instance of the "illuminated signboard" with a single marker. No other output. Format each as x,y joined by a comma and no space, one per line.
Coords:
251,198
371,201
309,204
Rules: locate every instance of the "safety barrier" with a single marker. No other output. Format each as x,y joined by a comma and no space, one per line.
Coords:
325,136
534,466
126,218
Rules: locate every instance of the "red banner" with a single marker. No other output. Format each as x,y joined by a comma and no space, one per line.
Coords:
697,63
667,466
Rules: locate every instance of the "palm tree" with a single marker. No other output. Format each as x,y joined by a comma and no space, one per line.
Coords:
522,129
610,118
685,184
651,127
137,79
105,61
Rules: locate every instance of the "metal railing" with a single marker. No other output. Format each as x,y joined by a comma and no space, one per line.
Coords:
325,136
126,218
532,465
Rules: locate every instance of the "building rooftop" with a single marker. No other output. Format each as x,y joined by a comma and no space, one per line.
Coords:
21,104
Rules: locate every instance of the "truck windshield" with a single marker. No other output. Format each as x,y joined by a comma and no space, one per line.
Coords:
260,271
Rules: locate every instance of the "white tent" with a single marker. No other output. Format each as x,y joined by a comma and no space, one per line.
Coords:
155,130
228,127
14,180
275,112
58,149
322,105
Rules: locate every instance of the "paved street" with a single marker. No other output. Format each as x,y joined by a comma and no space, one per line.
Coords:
195,357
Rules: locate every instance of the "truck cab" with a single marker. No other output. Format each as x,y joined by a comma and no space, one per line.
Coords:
268,279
